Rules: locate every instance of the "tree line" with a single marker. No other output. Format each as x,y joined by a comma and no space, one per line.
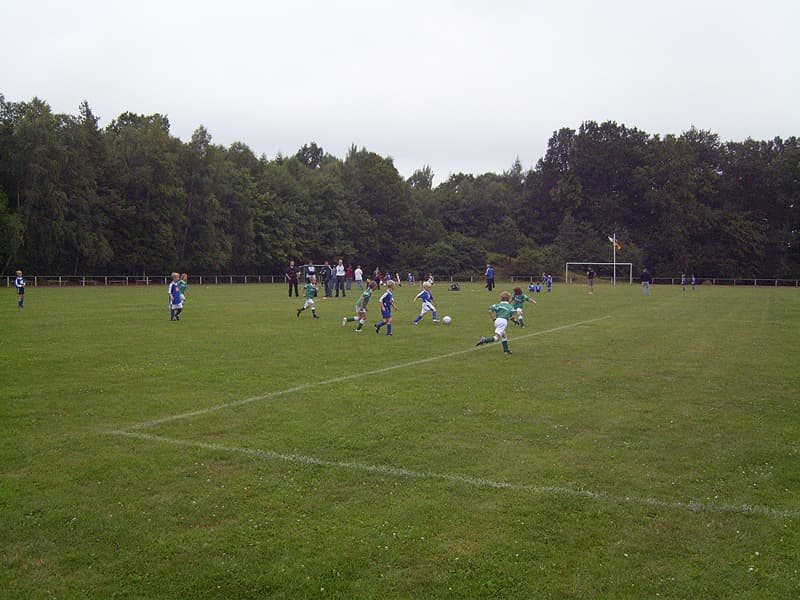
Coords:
132,198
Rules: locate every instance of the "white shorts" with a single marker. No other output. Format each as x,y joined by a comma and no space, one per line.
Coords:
173,306
428,307
519,312
309,302
500,325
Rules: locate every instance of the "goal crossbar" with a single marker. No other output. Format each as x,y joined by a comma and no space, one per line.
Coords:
601,264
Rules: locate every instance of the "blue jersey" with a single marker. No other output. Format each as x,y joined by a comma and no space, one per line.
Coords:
175,293
425,296
386,303
19,283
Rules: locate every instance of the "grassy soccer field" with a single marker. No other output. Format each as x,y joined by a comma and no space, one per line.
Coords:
630,447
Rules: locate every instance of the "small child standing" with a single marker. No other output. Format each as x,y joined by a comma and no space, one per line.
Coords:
19,283
501,312
182,285
387,303
517,302
427,303
311,292
175,301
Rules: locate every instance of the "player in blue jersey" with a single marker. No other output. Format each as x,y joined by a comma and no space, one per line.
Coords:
549,283
387,303
19,283
175,300
427,303
694,281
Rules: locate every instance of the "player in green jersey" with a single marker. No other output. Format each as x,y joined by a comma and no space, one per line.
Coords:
311,292
361,307
517,301
501,312
183,283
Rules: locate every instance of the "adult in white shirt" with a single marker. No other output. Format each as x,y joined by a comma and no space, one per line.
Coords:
359,276
340,270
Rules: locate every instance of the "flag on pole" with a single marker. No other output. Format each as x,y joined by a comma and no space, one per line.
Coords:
614,241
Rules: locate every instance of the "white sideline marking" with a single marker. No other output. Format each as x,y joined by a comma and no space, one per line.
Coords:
550,490
305,386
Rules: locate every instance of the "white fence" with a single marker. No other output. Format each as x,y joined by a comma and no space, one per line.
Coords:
146,280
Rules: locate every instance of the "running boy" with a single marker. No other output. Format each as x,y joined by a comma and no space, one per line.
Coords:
19,283
311,292
387,303
361,307
502,312
175,301
427,303
517,302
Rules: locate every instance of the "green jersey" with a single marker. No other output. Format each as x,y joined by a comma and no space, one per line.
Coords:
503,310
363,300
182,287
311,291
519,299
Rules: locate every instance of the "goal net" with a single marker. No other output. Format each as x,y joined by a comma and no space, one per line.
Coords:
575,272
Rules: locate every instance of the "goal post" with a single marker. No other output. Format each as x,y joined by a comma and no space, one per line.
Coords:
607,269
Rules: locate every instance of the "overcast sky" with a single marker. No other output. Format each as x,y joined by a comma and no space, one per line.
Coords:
462,86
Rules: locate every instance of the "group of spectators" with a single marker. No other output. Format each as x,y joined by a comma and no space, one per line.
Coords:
335,279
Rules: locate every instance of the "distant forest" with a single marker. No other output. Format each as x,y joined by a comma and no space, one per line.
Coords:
132,198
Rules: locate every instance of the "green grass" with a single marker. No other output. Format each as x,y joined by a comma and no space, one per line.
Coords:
651,450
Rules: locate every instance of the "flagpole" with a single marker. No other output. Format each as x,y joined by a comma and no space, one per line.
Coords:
614,245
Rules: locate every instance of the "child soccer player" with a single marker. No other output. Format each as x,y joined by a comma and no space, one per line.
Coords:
549,283
694,281
19,283
311,292
683,282
517,301
182,285
361,307
502,312
387,303
175,302
427,303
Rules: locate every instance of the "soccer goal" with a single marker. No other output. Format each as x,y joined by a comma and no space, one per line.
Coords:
575,272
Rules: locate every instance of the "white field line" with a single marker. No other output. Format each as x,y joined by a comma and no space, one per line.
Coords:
305,386
549,490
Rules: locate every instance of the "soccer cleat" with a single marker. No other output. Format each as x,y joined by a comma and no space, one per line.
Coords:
358,330
344,321
435,320
481,342
377,329
388,334
315,316
507,352
415,322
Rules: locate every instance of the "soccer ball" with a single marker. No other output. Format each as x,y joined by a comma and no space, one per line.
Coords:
447,320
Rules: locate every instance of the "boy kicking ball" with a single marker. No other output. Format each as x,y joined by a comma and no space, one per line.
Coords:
311,292
427,303
502,312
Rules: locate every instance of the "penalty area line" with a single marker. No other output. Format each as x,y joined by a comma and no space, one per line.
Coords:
306,386
549,490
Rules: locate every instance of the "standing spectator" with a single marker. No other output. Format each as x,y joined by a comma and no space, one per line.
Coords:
310,270
348,278
647,279
291,278
376,276
694,281
410,279
327,278
340,272
359,277
590,275
489,278
19,283
683,282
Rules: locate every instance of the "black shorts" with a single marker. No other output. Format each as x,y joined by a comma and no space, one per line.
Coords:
21,291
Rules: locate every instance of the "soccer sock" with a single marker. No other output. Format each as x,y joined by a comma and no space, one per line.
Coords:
418,319
489,340
352,319
313,311
505,345
171,314
521,322
19,302
360,325
379,325
178,313
434,316
389,329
